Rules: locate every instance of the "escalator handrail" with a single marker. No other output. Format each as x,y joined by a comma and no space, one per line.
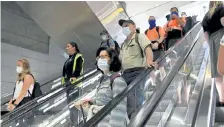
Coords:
212,105
148,108
36,99
113,103
69,87
49,82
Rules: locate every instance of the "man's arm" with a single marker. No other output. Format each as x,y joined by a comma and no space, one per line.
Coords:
180,21
161,33
145,45
149,55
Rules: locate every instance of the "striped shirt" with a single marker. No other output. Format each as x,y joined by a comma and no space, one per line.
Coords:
104,94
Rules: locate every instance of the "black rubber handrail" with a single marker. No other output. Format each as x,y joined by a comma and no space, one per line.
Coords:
150,105
25,106
112,104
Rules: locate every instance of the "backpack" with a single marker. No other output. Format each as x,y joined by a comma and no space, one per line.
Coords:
117,47
112,78
162,44
36,89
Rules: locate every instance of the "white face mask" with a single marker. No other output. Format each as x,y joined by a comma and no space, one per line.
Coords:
104,37
126,31
19,69
103,65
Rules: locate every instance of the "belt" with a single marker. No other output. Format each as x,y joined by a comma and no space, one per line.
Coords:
134,69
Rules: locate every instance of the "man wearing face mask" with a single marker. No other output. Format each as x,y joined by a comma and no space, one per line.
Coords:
173,28
156,36
106,40
134,50
135,55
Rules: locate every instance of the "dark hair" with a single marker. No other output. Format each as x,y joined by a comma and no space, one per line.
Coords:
174,8
115,63
168,17
152,17
73,44
104,32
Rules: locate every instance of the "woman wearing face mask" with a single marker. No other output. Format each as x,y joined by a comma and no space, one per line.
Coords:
111,84
24,85
73,66
213,23
173,28
156,36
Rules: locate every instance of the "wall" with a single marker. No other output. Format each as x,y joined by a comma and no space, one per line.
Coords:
21,30
44,67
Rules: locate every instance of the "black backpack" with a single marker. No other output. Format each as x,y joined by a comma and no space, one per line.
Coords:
117,47
36,89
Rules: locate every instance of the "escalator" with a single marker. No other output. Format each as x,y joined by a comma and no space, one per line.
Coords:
189,53
51,101
209,109
163,107
59,109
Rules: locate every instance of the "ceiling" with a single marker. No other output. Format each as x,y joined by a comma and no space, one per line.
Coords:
155,8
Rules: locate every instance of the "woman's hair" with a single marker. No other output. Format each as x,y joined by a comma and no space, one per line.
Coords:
26,69
115,63
73,44
212,6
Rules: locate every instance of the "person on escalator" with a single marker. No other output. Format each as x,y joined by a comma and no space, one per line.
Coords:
109,42
156,35
110,85
173,28
24,85
136,54
73,66
221,58
213,23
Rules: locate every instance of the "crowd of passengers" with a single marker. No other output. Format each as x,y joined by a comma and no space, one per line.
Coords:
120,65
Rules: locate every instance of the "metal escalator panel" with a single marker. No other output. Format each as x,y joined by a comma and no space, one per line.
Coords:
45,111
178,105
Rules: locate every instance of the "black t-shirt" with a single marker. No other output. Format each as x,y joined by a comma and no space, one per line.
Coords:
213,24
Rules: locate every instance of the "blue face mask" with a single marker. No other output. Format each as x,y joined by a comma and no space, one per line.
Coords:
152,24
174,13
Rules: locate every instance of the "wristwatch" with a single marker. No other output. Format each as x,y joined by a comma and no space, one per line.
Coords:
222,41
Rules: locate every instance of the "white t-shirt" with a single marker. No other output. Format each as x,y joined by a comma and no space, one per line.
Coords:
18,89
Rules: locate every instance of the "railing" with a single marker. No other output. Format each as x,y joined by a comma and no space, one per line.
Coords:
44,98
154,99
212,105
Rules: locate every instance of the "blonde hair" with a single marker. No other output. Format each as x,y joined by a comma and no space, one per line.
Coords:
212,7
26,69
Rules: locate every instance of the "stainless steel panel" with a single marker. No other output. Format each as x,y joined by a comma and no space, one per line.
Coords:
67,21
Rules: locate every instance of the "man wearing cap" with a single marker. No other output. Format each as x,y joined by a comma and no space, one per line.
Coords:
135,55
106,40
134,50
